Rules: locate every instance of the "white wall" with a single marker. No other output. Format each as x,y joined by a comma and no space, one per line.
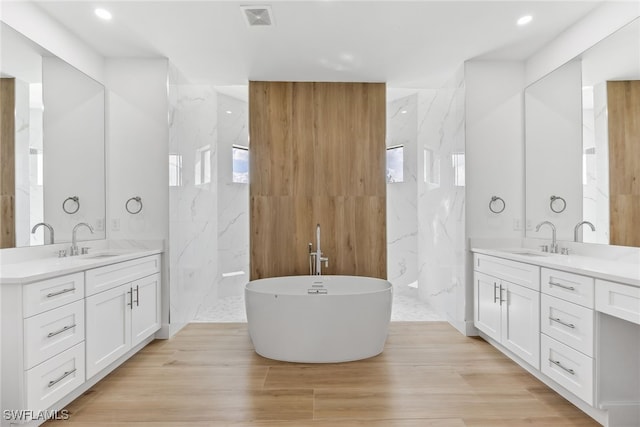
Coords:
137,148
137,141
601,22
74,154
494,146
554,151
30,20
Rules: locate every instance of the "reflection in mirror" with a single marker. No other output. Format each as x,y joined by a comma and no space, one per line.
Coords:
570,127
56,137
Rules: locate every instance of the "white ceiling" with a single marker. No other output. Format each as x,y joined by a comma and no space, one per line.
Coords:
403,43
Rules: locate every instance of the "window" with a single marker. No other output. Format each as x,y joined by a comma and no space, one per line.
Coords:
431,168
240,164
203,165
36,166
395,164
175,170
457,162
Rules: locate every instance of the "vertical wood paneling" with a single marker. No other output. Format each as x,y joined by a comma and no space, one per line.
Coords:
7,163
623,101
317,155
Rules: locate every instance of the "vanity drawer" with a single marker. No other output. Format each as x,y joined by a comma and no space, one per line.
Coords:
107,277
52,332
568,323
568,367
526,275
52,380
48,294
618,300
567,286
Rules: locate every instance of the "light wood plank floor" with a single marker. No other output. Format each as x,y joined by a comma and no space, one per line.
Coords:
428,375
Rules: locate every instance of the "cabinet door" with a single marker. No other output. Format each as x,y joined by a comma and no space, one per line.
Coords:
521,322
108,328
145,316
487,304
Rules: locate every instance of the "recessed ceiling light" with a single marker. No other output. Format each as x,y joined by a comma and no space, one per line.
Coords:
403,112
103,14
229,112
525,20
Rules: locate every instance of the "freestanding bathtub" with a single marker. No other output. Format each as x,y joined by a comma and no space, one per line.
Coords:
318,319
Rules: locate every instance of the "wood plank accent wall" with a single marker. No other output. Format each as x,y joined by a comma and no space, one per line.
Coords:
623,102
7,163
317,155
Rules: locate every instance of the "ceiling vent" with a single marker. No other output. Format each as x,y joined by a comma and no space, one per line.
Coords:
258,16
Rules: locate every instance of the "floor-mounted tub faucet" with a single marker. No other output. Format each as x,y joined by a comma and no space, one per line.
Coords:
577,227
44,224
554,245
315,257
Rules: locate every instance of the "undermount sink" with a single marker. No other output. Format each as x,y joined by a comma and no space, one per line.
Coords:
526,252
98,256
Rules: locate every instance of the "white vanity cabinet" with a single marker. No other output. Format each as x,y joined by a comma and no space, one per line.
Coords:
589,333
62,334
43,342
567,325
123,308
507,305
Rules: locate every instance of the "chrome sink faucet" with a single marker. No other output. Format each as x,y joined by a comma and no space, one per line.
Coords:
315,257
577,228
74,241
44,224
554,244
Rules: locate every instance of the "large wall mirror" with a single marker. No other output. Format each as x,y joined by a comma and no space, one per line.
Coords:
52,146
582,144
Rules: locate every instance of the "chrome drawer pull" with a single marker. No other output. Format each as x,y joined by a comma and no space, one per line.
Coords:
65,375
64,291
555,362
66,328
568,325
495,296
560,285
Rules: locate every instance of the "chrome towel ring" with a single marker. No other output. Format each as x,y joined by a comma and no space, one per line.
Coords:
554,206
70,210
137,199
494,204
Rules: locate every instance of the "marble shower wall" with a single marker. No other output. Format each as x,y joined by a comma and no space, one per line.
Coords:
595,130
193,248
441,200
233,198
402,210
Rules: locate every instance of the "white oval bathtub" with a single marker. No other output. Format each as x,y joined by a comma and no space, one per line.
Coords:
318,319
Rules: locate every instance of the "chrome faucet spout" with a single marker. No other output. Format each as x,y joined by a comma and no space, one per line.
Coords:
44,224
74,244
577,228
554,244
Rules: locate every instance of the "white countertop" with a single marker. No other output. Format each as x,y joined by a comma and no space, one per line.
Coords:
615,271
40,269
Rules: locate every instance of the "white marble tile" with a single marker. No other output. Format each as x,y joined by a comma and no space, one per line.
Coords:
193,203
402,214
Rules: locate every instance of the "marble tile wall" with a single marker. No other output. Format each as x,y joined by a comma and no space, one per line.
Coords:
193,248
402,212
441,201
23,187
233,197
